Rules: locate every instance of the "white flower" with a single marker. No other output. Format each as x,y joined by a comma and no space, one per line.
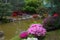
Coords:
28,38
32,38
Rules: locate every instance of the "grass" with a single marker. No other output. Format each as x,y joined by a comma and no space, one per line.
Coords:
53,35
11,28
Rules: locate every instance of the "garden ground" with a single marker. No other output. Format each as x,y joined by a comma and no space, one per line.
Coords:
11,28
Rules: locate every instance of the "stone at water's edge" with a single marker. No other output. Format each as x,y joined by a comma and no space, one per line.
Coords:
2,38
2,35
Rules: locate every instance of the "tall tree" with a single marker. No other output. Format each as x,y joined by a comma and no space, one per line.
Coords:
5,9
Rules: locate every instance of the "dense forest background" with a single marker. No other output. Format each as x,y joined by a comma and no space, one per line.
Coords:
34,6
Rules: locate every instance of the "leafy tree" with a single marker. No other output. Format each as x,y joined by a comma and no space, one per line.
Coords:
17,4
31,5
57,3
54,5
5,9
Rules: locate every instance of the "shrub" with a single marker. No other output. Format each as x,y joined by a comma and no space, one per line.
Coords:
4,20
51,23
34,32
31,6
23,35
37,30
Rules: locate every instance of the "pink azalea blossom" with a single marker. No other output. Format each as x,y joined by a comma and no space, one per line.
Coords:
37,29
23,35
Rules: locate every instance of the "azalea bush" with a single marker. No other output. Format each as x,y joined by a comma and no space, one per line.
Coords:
34,32
37,29
23,34
51,23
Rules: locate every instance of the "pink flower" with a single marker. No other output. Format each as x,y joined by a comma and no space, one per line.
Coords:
39,25
43,32
23,34
37,29
55,14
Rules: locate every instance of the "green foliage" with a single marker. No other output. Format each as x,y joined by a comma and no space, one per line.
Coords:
4,20
16,38
32,3
5,8
29,9
17,4
31,6
56,2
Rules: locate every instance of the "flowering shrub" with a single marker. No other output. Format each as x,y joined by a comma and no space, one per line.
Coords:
23,35
37,29
51,22
55,15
